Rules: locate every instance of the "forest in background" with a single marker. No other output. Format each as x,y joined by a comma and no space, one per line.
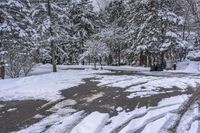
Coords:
126,32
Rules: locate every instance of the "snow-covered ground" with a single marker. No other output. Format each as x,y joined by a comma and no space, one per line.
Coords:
145,86
43,87
189,122
66,117
152,119
188,67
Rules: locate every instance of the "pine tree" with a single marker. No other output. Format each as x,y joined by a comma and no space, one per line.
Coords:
53,26
155,29
85,22
15,40
114,34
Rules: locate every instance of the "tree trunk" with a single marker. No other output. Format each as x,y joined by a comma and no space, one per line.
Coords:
53,48
162,57
53,53
95,63
119,56
2,71
89,59
110,60
141,59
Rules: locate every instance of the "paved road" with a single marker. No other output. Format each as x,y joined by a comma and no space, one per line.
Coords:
89,97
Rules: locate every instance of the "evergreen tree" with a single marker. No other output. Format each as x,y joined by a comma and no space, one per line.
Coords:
15,40
53,26
85,22
155,28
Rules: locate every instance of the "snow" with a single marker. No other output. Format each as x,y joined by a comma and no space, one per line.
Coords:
155,126
193,67
151,116
171,34
16,3
58,122
174,100
126,68
124,117
98,4
63,104
157,86
62,127
93,97
61,120
66,119
119,109
93,123
1,106
39,68
193,55
145,86
38,116
190,67
194,127
114,81
188,124
44,87
11,110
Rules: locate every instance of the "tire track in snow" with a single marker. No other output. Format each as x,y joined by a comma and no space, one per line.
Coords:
137,124
183,109
136,116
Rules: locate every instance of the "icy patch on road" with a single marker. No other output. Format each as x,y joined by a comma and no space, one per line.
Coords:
93,97
44,87
93,123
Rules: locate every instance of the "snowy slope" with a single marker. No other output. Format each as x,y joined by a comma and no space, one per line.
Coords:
193,67
188,67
